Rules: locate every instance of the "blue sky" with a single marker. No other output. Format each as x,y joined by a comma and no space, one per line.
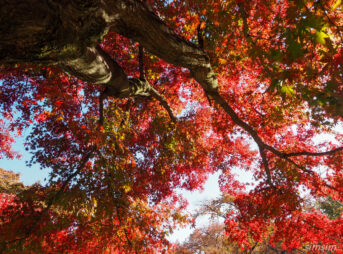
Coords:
28,175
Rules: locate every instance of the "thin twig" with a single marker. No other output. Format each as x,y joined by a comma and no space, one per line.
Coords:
314,154
101,106
115,204
141,62
164,103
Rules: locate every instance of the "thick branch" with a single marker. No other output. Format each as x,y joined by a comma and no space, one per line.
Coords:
68,32
137,22
45,31
96,66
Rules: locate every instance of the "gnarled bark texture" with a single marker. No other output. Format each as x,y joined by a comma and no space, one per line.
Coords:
67,33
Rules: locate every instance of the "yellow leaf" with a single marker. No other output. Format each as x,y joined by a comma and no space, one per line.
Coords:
127,188
336,4
95,202
222,61
320,37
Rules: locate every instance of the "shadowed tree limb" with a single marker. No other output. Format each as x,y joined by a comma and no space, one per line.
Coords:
314,154
155,94
97,66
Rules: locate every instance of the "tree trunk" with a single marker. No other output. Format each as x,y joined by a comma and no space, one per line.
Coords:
46,31
67,33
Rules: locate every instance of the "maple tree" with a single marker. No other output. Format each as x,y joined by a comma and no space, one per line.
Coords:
129,100
208,239
212,238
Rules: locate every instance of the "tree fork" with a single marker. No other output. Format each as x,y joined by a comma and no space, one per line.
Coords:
70,37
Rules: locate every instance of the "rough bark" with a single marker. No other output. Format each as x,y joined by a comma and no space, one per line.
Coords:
135,21
46,31
67,32
95,66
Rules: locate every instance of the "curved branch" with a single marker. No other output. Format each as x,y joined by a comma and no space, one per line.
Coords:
135,21
164,103
141,62
314,154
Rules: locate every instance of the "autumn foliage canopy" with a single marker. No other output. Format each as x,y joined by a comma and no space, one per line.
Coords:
117,160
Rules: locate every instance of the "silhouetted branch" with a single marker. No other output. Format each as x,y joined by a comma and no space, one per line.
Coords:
164,103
